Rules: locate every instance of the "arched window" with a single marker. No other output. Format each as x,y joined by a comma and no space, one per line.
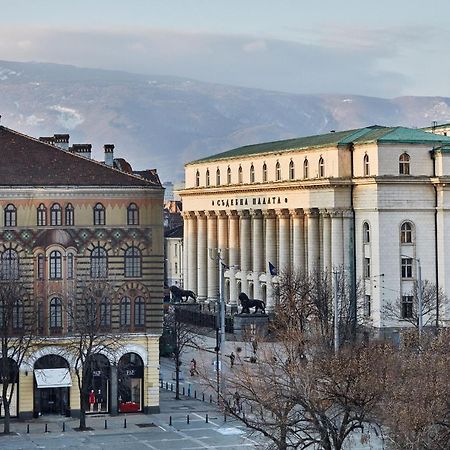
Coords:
139,312
90,311
264,173
278,171
10,265
56,215
133,262
321,167
40,266
69,215
240,175
10,216
291,170
207,177
105,312
229,175
406,233
366,233
17,314
55,317
99,263
218,177
125,311
305,168
99,214
403,164
55,265
70,266
197,179
366,168
42,215
252,173
132,214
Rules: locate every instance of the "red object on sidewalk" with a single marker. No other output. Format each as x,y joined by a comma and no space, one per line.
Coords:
129,407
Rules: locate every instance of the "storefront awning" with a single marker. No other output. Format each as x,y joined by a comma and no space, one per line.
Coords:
52,378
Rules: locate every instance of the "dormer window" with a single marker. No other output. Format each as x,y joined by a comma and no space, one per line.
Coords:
56,215
42,215
403,164
10,216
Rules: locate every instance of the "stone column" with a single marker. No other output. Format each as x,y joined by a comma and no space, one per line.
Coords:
298,240
212,264
284,239
233,287
245,246
202,256
113,407
326,240
313,239
190,253
271,239
258,250
233,239
337,255
222,235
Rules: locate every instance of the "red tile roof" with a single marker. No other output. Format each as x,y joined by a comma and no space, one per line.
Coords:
25,161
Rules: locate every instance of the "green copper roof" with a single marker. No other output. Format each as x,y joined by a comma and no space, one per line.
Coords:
358,136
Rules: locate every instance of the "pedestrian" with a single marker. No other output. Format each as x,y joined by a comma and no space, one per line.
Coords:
237,402
193,367
255,346
232,358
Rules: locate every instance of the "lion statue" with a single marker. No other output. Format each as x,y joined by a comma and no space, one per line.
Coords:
180,294
248,303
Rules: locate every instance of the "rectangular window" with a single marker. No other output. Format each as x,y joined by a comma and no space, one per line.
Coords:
40,267
366,267
407,307
367,306
407,268
70,266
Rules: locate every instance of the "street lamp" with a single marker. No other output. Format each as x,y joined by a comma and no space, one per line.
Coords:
419,295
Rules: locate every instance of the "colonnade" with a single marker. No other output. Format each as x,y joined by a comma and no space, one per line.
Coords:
301,239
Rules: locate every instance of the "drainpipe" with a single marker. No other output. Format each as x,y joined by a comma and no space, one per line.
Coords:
353,299
436,259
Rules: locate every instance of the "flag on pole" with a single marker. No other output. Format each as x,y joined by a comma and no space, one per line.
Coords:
272,269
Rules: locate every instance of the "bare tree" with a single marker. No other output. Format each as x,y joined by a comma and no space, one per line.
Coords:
18,334
306,301
416,406
299,394
406,308
180,334
90,333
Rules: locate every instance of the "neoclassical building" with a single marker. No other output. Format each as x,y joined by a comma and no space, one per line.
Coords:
371,201
68,223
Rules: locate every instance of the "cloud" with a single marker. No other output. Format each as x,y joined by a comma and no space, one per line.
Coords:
68,118
377,62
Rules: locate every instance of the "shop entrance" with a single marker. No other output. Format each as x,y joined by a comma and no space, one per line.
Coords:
52,382
98,374
130,383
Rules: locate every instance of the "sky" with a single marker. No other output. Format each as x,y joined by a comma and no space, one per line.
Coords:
377,48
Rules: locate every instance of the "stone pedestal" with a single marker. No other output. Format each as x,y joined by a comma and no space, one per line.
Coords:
247,326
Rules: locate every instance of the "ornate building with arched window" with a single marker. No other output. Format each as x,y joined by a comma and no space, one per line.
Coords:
73,228
375,222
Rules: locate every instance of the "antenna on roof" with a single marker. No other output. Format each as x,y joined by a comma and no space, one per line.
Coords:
433,125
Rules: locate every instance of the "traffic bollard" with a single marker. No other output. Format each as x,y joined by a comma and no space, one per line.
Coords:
187,419
224,417
64,427
171,387
183,390
210,398
28,428
206,418
106,424
203,397
124,423
46,428
170,421
195,394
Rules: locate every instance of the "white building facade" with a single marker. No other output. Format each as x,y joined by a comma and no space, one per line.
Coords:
372,201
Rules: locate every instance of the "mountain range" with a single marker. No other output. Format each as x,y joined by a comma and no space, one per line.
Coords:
163,122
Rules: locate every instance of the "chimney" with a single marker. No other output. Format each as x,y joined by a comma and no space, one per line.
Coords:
109,154
61,141
82,150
